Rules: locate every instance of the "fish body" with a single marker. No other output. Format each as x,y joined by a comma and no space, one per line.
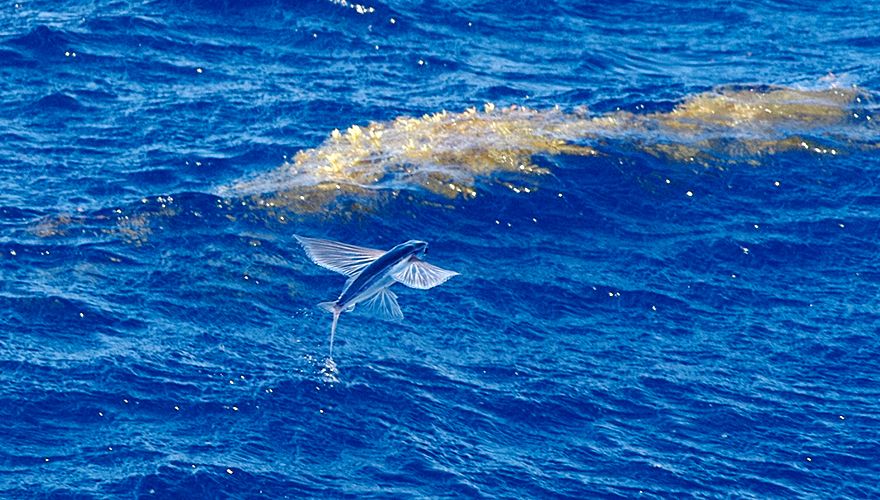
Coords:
371,273
380,273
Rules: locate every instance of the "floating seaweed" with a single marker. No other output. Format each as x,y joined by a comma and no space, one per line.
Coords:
445,153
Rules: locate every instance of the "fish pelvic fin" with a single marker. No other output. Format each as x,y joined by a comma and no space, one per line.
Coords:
384,303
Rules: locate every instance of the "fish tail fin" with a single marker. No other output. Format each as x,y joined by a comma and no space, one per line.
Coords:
336,313
334,309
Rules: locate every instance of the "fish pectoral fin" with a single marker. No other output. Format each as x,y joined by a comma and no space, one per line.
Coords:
384,303
419,274
342,258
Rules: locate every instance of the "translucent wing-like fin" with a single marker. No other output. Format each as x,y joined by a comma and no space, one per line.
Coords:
384,303
419,274
339,257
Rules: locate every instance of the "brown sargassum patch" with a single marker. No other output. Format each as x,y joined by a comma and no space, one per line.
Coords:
445,152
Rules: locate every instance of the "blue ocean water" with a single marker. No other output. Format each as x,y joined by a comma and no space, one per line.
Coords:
669,266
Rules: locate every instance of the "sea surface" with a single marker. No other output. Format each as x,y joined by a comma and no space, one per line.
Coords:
666,216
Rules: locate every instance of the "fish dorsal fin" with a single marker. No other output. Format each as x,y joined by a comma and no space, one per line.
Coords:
419,274
384,303
342,258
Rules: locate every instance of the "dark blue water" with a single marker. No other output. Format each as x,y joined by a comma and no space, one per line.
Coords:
669,285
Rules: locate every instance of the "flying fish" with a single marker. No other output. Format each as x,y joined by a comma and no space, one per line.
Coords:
370,275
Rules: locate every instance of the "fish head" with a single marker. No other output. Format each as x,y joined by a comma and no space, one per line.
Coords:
419,248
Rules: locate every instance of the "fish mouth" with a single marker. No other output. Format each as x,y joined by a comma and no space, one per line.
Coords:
421,247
